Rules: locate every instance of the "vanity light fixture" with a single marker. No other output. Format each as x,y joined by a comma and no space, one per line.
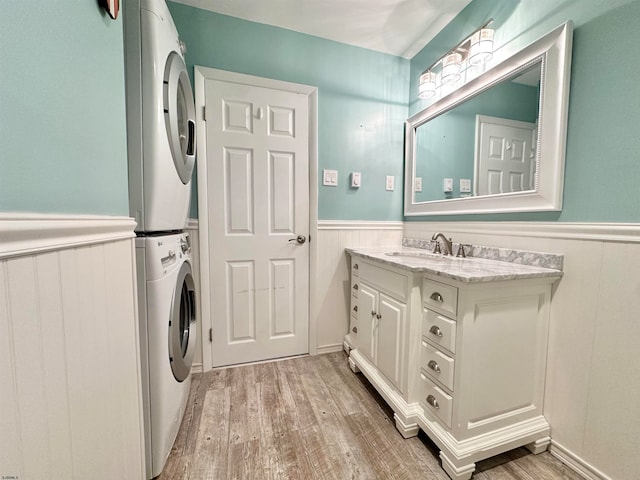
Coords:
481,47
427,85
451,64
475,49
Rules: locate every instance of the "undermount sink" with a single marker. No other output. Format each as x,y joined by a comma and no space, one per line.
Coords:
424,254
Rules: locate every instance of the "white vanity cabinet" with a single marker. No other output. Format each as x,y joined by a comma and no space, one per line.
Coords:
482,364
462,360
386,299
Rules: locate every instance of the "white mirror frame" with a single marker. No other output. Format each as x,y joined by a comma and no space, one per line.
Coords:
554,52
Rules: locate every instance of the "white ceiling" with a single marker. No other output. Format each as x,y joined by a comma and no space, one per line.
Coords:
398,27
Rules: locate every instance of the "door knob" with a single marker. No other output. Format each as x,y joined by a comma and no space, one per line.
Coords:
300,239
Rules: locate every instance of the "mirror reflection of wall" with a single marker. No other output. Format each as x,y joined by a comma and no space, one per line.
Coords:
446,145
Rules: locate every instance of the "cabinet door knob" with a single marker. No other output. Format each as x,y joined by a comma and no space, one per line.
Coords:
435,296
355,266
355,287
433,365
373,313
354,329
355,309
435,330
431,400
378,316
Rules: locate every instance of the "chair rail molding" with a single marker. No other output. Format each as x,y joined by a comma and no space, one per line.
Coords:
29,233
611,232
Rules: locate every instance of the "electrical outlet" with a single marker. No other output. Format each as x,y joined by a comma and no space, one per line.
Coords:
417,187
330,178
447,185
390,183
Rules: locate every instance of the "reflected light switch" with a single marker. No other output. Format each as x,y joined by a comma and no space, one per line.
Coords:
465,185
330,178
447,185
417,187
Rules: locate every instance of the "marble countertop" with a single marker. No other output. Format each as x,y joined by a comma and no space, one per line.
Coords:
470,269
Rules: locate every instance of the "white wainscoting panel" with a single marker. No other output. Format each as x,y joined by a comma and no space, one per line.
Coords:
70,403
593,371
334,269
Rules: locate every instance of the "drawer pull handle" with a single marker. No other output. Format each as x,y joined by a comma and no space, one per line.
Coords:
355,266
431,400
435,330
355,287
373,313
433,365
378,316
355,309
354,329
436,297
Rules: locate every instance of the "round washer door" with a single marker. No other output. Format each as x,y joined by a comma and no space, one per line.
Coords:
180,116
182,325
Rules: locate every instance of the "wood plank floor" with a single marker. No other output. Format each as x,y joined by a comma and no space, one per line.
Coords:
312,418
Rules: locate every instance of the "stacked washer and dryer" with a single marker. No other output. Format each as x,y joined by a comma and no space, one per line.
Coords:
161,150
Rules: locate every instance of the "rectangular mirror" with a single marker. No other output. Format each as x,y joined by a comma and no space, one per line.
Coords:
500,138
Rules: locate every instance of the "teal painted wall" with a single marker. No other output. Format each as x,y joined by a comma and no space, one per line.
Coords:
355,87
602,162
62,109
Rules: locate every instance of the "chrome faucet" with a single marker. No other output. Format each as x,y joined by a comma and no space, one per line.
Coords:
448,244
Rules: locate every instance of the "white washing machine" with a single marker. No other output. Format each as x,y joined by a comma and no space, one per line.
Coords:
168,339
160,118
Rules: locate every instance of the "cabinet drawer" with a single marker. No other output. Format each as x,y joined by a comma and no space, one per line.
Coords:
437,365
393,283
355,287
439,330
435,401
355,268
440,297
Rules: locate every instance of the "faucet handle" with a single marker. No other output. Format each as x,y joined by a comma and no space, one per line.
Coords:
436,249
461,252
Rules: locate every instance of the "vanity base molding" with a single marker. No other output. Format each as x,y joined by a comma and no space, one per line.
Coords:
458,456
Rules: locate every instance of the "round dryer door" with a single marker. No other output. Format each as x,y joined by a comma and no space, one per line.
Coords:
182,325
180,116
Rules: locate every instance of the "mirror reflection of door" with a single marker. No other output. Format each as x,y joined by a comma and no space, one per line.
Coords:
505,155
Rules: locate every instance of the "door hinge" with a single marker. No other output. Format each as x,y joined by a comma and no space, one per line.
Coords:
211,334
204,113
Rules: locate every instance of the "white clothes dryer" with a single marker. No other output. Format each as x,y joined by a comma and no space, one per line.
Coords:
167,315
160,119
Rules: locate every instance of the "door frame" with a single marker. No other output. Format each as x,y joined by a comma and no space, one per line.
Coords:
201,75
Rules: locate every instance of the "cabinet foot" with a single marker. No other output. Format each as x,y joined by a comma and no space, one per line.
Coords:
539,446
463,472
352,365
407,430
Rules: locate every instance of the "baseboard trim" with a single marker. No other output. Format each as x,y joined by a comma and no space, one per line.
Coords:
359,225
575,463
335,347
610,232
28,234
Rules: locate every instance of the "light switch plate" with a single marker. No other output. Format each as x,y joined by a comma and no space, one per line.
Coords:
390,183
355,179
417,187
330,178
447,185
465,185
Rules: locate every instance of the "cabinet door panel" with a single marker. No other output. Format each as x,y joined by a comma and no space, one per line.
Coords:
389,333
367,303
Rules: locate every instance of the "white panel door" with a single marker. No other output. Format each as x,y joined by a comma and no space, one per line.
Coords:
505,155
367,311
258,195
